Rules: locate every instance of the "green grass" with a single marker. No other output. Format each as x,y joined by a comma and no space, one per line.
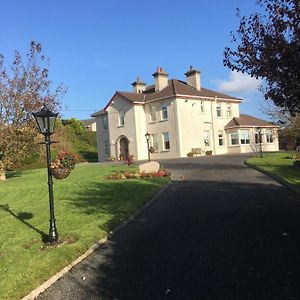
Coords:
87,206
280,164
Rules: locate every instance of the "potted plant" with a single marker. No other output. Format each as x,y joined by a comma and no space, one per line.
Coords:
63,164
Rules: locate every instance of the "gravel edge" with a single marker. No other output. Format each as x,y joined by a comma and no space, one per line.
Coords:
34,293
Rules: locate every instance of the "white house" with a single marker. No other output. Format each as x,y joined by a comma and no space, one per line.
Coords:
181,117
89,124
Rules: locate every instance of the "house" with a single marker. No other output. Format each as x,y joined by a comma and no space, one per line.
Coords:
89,124
181,117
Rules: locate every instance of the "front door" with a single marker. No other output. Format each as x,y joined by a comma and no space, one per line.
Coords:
123,148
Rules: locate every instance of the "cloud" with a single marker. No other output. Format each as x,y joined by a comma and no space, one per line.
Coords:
238,83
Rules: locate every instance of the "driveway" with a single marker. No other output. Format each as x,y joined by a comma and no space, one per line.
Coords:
219,231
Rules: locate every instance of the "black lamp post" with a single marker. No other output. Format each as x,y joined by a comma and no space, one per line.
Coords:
45,120
147,136
259,140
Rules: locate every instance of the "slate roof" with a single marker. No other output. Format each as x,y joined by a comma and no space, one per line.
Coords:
248,121
175,87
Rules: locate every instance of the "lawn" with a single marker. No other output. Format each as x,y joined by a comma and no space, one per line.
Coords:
87,206
279,164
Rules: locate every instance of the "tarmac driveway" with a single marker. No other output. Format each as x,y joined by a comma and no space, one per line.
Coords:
219,231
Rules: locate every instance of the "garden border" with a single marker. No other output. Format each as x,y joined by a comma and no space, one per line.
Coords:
275,177
44,286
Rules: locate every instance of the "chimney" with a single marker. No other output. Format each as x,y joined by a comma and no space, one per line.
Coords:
193,78
138,86
161,79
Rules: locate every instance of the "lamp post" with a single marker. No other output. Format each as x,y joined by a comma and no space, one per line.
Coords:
259,140
147,136
45,120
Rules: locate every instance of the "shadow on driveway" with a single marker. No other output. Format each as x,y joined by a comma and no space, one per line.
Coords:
202,239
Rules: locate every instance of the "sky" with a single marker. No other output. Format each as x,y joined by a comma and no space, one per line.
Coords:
96,47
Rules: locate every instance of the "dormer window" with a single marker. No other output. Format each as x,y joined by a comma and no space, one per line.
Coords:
121,118
164,111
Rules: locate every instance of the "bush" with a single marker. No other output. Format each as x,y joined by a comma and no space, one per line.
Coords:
209,152
296,164
190,154
89,155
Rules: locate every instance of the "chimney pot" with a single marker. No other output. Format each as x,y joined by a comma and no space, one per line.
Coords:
193,78
161,79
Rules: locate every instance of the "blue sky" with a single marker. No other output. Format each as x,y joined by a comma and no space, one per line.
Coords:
97,47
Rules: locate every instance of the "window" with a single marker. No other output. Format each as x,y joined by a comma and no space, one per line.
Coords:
269,136
154,142
245,136
106,148
152,114
164,112
228,111
258,137
166,141
202,106
220,138
104,122
206,138
234,138
219,110
121,118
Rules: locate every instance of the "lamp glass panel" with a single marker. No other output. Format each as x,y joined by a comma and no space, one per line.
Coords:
51,124
42,124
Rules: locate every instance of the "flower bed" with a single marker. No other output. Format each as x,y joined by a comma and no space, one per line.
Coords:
138,175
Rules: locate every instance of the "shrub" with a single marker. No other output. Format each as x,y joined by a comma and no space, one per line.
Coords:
209,152
296,164
190,154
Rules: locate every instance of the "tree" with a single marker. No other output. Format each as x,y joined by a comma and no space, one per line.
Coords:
24,88
268,46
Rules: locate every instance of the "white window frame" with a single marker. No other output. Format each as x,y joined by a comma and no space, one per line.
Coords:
244,136
206,138
236,134
219,110
154,142
152,113
221,138
121,118
269,136
166,141
164,112
228,111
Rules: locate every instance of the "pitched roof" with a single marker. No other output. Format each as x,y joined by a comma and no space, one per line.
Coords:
88,122
175,87
248,121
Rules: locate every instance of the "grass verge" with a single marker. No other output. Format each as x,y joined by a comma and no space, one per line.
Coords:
279,164
87,206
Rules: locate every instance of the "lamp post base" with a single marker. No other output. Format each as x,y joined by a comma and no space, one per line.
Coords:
53,236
